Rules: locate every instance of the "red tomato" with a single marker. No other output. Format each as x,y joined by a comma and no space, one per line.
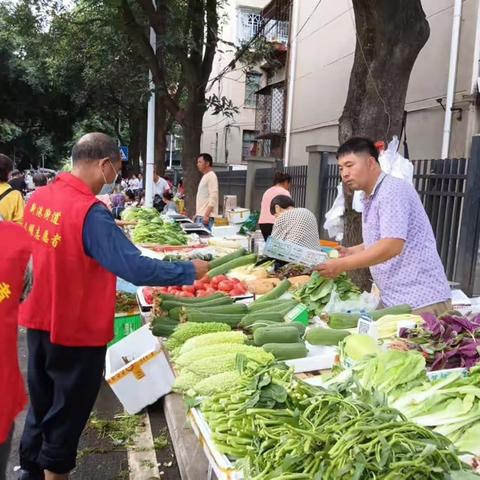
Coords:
225,286
163,289
198,284
187,294
188,288
147,294
201,293
210,291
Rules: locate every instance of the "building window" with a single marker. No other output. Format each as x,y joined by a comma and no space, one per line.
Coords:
253,81
249,144
250,22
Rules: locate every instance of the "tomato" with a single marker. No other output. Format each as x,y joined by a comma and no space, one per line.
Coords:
198,284
201,293
187,294
210,291
225,286
188,288
163,290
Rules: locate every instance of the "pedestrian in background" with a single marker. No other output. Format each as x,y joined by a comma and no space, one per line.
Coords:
207,193
11,200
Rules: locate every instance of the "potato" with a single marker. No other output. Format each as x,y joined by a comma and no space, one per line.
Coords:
262,285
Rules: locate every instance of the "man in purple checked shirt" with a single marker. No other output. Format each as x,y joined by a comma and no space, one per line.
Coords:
399,245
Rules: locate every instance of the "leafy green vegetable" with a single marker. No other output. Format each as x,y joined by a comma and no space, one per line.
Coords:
316,294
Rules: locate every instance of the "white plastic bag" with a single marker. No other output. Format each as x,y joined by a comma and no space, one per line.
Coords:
366,301
334,217
391,163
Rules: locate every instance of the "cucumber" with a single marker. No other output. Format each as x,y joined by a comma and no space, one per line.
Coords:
275,335
163,326
350,320
227,258
325,336
192,300
237,262
170,304
255,307
266,323
286,351
199,316
252,318
277,292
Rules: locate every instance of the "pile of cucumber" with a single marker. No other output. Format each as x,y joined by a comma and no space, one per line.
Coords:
222,265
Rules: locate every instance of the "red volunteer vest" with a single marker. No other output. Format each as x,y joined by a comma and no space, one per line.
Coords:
15,252
73,296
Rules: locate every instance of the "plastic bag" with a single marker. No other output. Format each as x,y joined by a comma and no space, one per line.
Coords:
391,163
334,217
250,224
366,301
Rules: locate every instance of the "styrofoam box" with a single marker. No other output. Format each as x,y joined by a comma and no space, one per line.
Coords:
146,377
238,215
318,358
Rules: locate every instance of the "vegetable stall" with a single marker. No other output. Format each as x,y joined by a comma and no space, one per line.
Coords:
287,375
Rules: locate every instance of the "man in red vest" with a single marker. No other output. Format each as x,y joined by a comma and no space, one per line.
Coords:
14,258
78,252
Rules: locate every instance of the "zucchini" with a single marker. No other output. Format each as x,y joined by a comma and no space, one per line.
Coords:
350,320
170,304
277,292
325,336
266,323
282,308
286,351
227,258
192,300
272,334
237,262
199,316
255,307
235,308
252,318
163,326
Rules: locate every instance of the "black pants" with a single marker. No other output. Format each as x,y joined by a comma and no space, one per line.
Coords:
4,453
266,229
63,383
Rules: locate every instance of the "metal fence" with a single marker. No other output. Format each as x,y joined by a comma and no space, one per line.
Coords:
232,183
298,188
441,186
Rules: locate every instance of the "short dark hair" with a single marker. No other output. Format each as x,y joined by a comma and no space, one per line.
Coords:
129,193
6,166
95,146
281,177
283,201
168,195
207,158
358,145
39,179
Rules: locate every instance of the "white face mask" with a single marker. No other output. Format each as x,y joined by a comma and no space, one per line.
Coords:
107,188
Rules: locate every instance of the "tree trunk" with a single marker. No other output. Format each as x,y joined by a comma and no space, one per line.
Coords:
134,161
390,35
192,132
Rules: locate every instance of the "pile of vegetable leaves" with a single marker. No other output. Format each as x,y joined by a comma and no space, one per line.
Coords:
160,232
133,214
316,294
448,341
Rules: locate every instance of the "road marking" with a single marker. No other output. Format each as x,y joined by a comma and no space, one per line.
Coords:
142,459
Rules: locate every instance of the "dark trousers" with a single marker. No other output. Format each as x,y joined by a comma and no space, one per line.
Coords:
4,453
266,229
63,383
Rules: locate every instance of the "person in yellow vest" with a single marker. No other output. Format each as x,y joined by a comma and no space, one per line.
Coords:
11,200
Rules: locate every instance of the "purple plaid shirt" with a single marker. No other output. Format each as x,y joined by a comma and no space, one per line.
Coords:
415,277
